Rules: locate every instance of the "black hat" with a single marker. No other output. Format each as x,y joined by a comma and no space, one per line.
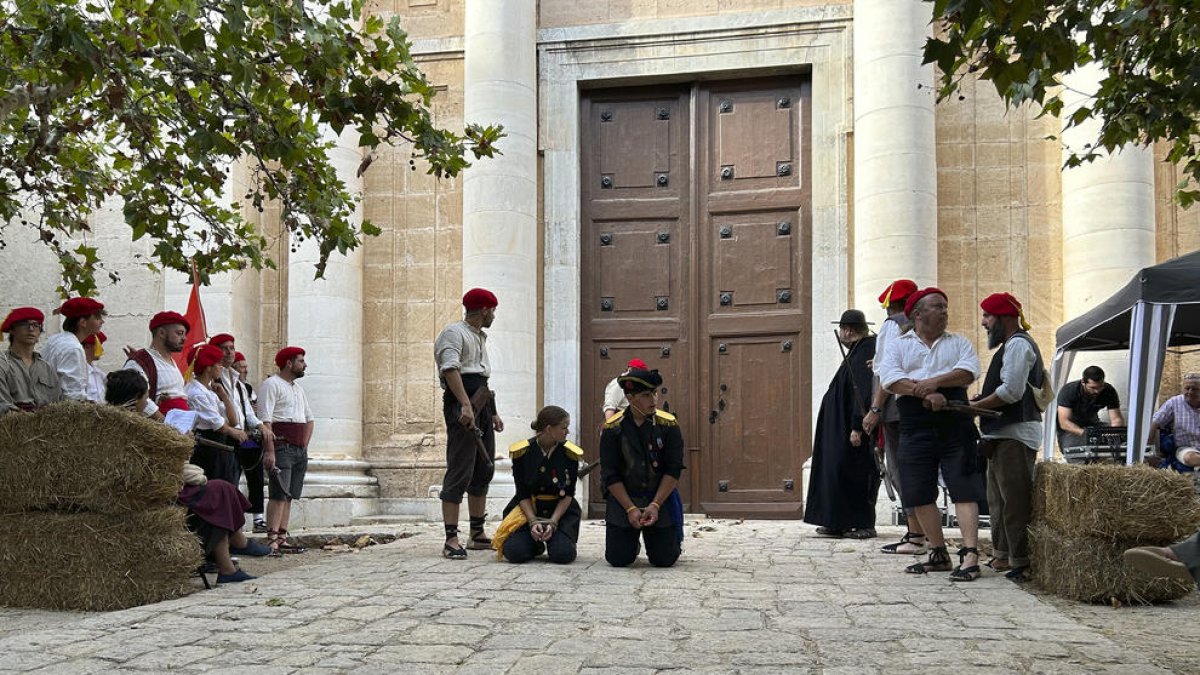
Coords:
853,317
638,380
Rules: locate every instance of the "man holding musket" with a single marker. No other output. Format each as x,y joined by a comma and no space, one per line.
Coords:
471,419
1010,442
928,369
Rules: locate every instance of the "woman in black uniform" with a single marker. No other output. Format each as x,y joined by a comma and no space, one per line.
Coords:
545,470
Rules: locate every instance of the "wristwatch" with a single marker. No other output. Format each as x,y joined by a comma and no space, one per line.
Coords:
876,409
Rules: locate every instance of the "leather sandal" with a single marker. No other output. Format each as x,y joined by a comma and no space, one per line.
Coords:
273,544
938,561
479,541
453,553
907,539
286,546
961,573
1018,574
998,564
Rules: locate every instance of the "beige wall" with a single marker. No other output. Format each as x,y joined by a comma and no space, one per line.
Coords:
412,288
999,212
561,13
423,18
1178,232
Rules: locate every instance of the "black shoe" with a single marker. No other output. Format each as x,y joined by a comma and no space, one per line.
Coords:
829,532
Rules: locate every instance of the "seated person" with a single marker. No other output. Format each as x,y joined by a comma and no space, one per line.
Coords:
1181,415
1179,561
217,437
543,515
216,510
1079,403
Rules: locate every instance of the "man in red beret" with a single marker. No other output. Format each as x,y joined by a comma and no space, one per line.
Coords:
614,396
93,348
470,412
168,333
250,451
925,368
288,425
1010,443
214,416
82,317
27,381
884,414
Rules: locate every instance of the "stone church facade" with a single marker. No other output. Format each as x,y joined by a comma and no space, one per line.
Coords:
705,184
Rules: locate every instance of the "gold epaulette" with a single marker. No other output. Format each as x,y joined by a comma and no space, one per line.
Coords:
574,451
614,420
517,449
665,418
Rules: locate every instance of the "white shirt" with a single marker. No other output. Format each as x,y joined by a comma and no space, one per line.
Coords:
463,347
614,396
64,351
909,357
97,383
1014,377
243,406
282,401
170,380
210,411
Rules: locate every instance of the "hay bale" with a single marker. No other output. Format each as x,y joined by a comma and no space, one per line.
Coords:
95,562
1149,506
1091,569
75,456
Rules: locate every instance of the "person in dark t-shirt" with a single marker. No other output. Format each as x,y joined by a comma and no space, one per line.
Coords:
1079,404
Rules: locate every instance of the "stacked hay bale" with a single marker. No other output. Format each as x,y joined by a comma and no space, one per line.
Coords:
1085,516
87,515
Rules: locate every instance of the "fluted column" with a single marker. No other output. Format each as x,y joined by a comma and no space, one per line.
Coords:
895,170
1108,222
500,197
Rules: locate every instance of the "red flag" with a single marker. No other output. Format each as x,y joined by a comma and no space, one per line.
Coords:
197,331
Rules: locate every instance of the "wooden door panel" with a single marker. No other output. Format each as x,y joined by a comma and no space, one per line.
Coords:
755,138
637,269
755,413
754,265
637,148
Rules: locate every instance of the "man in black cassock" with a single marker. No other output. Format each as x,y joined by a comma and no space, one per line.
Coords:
844,481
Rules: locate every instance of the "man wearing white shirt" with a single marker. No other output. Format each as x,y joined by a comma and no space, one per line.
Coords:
284,410
168,332
1010,443
82,317
886,415
925,368
250,451
214,416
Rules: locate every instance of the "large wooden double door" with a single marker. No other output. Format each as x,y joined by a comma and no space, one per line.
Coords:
696,243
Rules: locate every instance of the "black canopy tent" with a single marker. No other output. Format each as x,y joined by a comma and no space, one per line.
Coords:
1157,309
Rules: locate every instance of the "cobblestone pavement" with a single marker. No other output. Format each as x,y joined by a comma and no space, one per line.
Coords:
747,596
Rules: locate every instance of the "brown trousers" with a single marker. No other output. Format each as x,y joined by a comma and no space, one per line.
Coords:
1010,498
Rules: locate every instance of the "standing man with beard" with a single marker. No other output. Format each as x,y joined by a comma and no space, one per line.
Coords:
168,332
471,419
844,481
926,368
1010,443
285,413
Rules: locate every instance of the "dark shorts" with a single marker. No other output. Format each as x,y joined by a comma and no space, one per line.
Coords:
925,450
291,464
466,470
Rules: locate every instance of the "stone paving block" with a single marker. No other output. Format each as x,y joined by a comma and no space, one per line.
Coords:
423,654
172,657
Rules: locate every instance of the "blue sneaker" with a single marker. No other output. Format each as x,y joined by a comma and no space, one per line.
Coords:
252,549
236,577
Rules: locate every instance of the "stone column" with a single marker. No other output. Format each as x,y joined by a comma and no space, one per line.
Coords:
325,317
895,170
500,198
1108,223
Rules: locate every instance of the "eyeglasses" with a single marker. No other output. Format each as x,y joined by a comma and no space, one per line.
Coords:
31,325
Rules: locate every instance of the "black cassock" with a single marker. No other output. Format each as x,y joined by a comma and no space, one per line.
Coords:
844,482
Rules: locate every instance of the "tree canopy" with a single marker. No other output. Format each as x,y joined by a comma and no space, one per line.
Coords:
154,101
1148,50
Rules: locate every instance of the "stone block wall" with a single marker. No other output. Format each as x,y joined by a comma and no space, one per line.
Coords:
562,13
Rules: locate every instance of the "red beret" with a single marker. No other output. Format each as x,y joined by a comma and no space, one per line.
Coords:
77,307
238,356
479,298
168,319
92,339
915,297
22,314
897,291
1001,304
203,356
220,339
287,354
638,364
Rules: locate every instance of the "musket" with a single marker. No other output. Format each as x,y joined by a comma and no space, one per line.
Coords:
963,408
588,468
